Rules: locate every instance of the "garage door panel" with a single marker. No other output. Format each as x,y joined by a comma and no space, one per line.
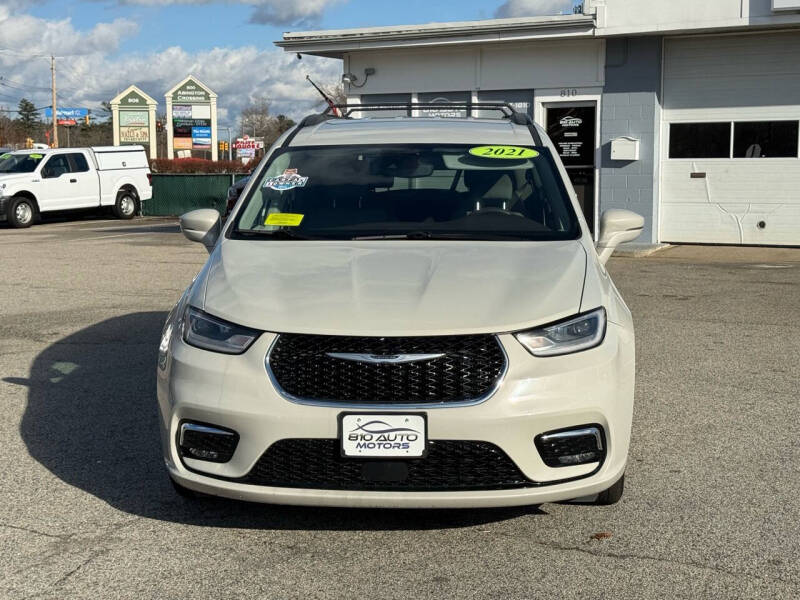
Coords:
763,181
731,224
706,223
705,74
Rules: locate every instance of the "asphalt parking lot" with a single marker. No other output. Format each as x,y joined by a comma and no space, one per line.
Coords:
712,503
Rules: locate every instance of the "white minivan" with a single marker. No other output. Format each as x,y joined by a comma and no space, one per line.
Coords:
39,181
402,312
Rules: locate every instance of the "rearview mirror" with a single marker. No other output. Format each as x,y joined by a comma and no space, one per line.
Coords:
203,226
617,226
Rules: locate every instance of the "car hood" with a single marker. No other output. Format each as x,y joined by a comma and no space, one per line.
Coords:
393,287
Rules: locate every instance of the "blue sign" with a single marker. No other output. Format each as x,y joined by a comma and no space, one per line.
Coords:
67,113
201,137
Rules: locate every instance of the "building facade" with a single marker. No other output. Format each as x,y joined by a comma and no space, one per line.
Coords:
684,112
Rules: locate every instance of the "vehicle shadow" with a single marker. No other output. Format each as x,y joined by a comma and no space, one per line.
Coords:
91,420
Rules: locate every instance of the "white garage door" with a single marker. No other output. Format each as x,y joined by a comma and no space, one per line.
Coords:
730,171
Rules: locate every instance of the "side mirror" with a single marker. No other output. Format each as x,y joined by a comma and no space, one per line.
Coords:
202,225
617,226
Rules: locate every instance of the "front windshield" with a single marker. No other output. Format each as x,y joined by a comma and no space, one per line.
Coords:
19,163
437,192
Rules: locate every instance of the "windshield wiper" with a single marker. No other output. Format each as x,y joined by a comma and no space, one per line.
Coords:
277,234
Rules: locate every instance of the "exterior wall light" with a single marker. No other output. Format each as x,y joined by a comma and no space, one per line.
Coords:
351,79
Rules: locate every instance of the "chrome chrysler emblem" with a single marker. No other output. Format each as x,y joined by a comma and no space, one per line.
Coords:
394,359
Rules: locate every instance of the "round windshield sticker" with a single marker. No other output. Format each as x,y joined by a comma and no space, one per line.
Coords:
512,152
36,156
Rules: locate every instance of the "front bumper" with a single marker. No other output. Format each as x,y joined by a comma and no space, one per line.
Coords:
537,395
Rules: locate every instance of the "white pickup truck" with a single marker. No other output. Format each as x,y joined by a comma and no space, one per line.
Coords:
38,181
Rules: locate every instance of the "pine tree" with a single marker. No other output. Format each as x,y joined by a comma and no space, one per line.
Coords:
28,117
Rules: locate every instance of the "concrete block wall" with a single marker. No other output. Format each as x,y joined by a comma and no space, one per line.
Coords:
631,107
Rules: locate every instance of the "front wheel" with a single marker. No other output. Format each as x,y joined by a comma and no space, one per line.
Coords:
20,212
613,494
125,206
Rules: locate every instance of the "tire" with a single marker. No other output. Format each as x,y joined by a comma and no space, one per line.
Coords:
184,492
21,212
126,205
613,494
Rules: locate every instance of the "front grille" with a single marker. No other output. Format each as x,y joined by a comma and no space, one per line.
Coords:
470,369
449,465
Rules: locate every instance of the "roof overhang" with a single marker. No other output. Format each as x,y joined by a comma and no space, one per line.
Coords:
337,43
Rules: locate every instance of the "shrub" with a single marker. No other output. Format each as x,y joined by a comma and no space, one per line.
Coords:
200,165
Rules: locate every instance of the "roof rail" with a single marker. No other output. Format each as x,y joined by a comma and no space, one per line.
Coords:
346,110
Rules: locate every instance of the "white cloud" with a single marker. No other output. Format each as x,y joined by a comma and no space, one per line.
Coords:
532,8
276,12
89,72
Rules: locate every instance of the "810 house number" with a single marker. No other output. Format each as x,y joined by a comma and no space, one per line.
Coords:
569,92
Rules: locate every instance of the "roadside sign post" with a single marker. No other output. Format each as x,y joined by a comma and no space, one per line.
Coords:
191,118
133,114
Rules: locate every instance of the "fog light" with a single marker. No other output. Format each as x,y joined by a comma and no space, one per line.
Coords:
574,446
207,442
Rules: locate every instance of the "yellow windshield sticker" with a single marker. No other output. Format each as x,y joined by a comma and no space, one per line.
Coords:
284,219
503,152
4,156
36,156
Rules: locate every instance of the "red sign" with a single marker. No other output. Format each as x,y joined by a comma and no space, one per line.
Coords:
248,143
67,122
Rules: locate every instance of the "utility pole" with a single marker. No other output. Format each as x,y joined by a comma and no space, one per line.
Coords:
53,86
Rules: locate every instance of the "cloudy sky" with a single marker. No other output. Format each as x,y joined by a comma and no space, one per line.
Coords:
102,46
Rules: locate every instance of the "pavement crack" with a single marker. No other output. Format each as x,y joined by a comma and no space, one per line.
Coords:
636,556
36,532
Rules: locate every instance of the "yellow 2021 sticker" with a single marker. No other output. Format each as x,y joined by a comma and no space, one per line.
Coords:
36,156
284,219
507,152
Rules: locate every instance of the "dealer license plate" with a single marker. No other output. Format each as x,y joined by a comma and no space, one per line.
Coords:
392,435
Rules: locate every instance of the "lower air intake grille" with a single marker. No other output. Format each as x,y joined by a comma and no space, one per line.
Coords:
449,465
458,368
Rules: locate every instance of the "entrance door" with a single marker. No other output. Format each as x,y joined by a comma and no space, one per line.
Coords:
572,127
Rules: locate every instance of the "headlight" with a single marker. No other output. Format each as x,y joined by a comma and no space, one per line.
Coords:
573,335
210,333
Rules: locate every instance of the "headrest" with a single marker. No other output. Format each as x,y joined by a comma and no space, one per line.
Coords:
489,185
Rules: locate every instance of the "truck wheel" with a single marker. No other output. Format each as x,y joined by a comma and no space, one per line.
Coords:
613,494
125,206
21,212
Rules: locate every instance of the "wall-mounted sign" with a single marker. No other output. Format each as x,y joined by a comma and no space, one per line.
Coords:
572,130
134,135
201,138
445,98
133,118
184,143
191,93
181,111
134,99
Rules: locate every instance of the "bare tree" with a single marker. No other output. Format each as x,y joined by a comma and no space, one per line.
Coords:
335,92
255,120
